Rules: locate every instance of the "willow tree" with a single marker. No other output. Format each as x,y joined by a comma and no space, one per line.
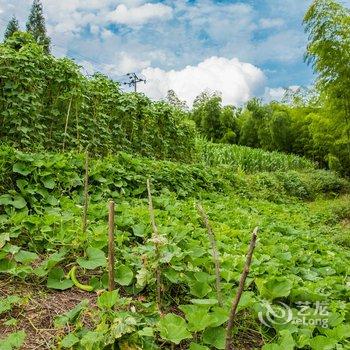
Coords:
328,51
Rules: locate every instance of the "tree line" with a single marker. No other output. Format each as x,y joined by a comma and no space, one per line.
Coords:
51,93
309,122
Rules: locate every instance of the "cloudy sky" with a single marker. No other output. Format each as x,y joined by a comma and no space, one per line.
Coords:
242,48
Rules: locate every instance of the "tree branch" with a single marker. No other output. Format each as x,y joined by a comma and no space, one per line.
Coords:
215,252
111,258
156,242
229,345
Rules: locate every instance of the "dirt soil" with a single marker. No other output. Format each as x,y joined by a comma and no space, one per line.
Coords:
36,315
41,306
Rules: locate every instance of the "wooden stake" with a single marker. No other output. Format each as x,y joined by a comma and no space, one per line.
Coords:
86,191
215,252
229,345
66,126
156,241
111,284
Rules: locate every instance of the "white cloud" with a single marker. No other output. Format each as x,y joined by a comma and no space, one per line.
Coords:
274,94
106,34
277,94
141,14
268,23
285,46
87,67
238,81
125,64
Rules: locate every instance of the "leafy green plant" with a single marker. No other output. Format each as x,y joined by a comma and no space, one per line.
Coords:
13,341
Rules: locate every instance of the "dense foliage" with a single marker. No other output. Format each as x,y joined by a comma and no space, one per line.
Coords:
47,103
41,238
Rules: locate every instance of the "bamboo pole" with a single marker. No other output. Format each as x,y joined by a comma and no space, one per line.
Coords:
66,126
156,241
111,257
215,252
229,345
86,192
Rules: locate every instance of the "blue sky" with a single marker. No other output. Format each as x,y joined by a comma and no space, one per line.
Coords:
243,48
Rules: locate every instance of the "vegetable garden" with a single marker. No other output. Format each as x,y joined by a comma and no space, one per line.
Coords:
300,254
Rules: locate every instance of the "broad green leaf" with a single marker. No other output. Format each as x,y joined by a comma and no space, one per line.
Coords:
11,322
198,317
4,237
322,343
12,249
200,289
19,202
287,342
91,340
108,299
139,230
72,315
204,301
7,303
69,340
21,168
51,200
173,328
220,316
96,258
247,299
215,337
195,346
49,263
339,333
7,265
124,275
142,277
13,341
275,287
21,184
123,325
146,332
49,183
172,275
5,199
25,257
57,280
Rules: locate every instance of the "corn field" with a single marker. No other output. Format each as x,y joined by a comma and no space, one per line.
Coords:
249,159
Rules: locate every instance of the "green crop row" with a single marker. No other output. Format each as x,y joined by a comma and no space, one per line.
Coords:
249,159
38,179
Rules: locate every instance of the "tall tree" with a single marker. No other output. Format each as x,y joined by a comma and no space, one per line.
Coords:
13,26
175,101
36,25
328,24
